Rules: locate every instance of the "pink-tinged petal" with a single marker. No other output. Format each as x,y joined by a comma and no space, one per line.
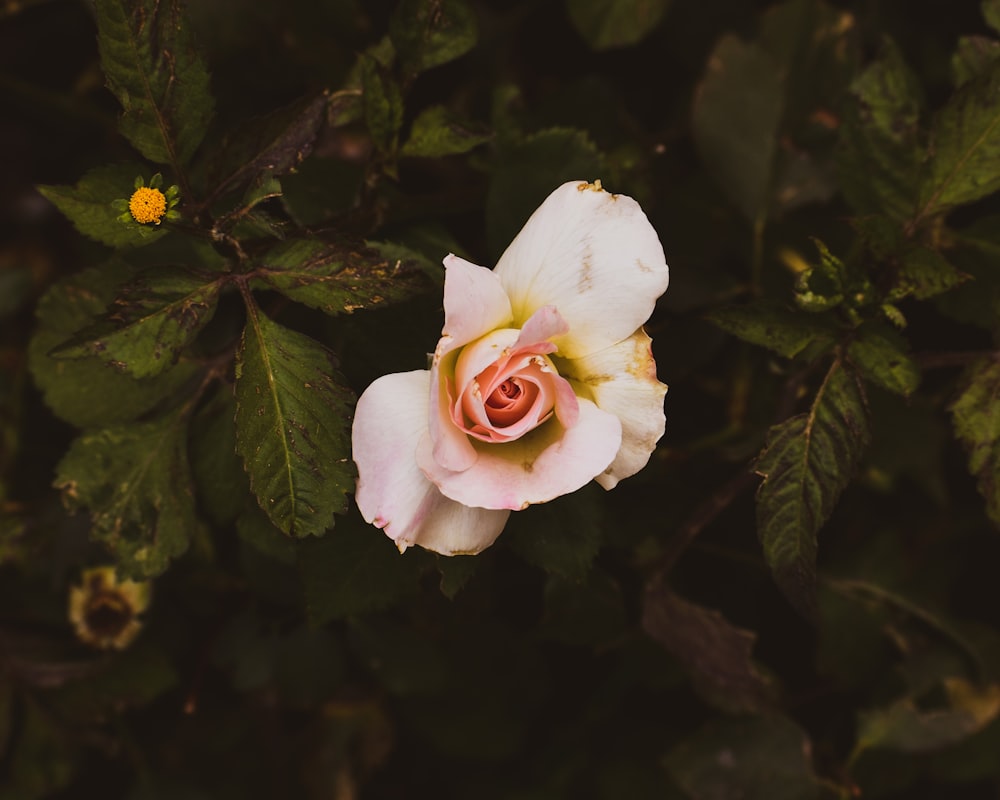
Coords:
621,379
592,255
452,447
474,304
544,324
548,462
392,492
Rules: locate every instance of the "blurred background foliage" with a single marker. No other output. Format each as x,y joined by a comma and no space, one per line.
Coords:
796,599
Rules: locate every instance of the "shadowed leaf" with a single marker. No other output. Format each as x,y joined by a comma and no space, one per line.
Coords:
976,416
293,419
715,653
336,278
965,144
87,391
438,132
806,463
136,483
737,110
149,323
427,33
159,79
774,327
881,354
605,24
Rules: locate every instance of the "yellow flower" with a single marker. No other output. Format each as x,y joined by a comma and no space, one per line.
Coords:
105,611
147,205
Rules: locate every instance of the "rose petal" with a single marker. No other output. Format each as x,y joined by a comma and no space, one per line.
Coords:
544,464
621,379
392,492
474,304
592,255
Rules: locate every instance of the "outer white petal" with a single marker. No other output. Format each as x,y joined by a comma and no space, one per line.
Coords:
592,255
392,492
621,379
546,463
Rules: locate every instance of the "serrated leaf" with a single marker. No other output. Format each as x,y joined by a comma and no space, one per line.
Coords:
881,355
354,570
717,655
88,392
136,483
605,24
336,278
158,77
924,273
772,326
965,148
428,33
293,422
751,758
437,131
382,102
151,321
976,416
806,463
880,150
526,169
823,285
88,205
275,144
735,117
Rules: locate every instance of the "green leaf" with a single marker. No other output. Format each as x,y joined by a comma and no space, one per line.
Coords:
562,536
152,320
159,79
965,143
974,56
991,13
976,416
717,655
218,472
806,463
824,284
88,205
526,170
355,570
751,758
880,149
881,355
735,118
293,422
427,33
136,483
773,326
88,392
605,24
382,102
337,278
925,273
276,144
439,132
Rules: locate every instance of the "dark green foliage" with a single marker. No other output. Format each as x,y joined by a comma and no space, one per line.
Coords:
160,80
807,462
176,402
292,426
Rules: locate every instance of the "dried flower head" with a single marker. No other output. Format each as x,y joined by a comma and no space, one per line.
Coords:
105,611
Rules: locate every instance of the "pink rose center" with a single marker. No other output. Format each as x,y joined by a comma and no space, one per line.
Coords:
503,390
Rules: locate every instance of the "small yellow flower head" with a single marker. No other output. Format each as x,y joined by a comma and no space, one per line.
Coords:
148,205
105,611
